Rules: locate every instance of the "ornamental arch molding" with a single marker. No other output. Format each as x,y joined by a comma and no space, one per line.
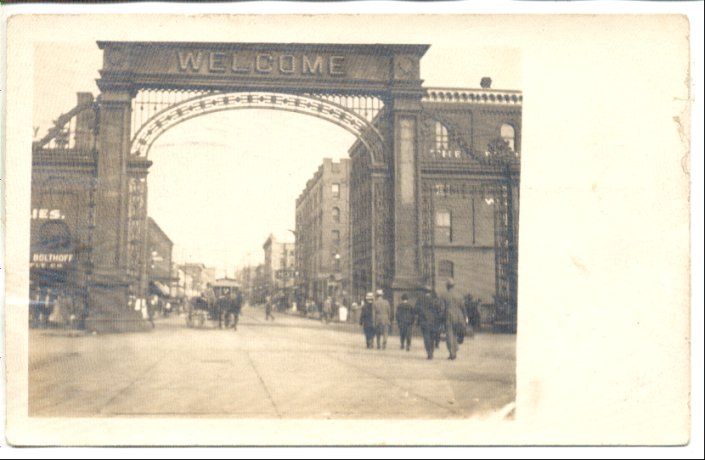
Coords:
203,104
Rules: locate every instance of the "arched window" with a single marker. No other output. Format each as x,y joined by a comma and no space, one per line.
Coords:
445,269
336,215
506,132
442,140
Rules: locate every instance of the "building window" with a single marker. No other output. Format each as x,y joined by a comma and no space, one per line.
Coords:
336,215
445,269
442,148
335,190
443,226
335,236
336,262
442,140
506,132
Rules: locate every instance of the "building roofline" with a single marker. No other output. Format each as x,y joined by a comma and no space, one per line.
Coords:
360,48
474,96
159,229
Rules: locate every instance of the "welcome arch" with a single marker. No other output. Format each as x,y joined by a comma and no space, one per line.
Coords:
310,79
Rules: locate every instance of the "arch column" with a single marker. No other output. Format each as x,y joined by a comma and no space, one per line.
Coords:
109,288
406,114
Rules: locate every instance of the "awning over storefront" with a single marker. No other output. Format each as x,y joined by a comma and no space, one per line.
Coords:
155,287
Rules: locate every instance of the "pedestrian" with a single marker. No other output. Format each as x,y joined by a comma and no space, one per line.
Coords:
405,321
152,304
367,320
236,307
343,313
439,310
36,305
455,319
327,310
209,296
268,309
47,307
473,314
354,316
427,318
62,310
221,310
383,319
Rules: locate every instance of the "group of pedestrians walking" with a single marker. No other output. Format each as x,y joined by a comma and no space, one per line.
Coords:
433,314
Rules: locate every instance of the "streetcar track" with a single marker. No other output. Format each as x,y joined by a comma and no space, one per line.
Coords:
124,390
374,375
264,385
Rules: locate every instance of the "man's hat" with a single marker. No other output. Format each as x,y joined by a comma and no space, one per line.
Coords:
404,297
369,296
380,292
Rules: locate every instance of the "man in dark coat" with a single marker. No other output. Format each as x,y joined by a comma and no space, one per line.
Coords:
427,318
455,319
367,320
405,321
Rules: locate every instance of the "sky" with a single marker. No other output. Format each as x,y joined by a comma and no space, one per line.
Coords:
221,183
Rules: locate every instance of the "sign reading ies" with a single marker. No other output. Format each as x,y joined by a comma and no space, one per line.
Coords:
261,63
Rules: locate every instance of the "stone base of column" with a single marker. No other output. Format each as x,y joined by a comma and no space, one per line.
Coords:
109,311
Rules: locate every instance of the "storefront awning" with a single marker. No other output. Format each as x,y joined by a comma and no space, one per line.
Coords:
159,289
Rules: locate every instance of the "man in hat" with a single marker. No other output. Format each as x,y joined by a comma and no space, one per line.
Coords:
455,320
367,319
405,321
427,318
383,319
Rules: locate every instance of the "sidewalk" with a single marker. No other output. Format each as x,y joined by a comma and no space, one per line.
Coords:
347,326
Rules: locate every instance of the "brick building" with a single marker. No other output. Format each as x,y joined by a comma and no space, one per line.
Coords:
159,250
322,232
468,180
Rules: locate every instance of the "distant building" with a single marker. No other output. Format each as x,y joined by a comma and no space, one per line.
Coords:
322,232
200,276
279,266
259,284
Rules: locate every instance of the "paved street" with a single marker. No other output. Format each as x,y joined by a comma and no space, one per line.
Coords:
291,368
